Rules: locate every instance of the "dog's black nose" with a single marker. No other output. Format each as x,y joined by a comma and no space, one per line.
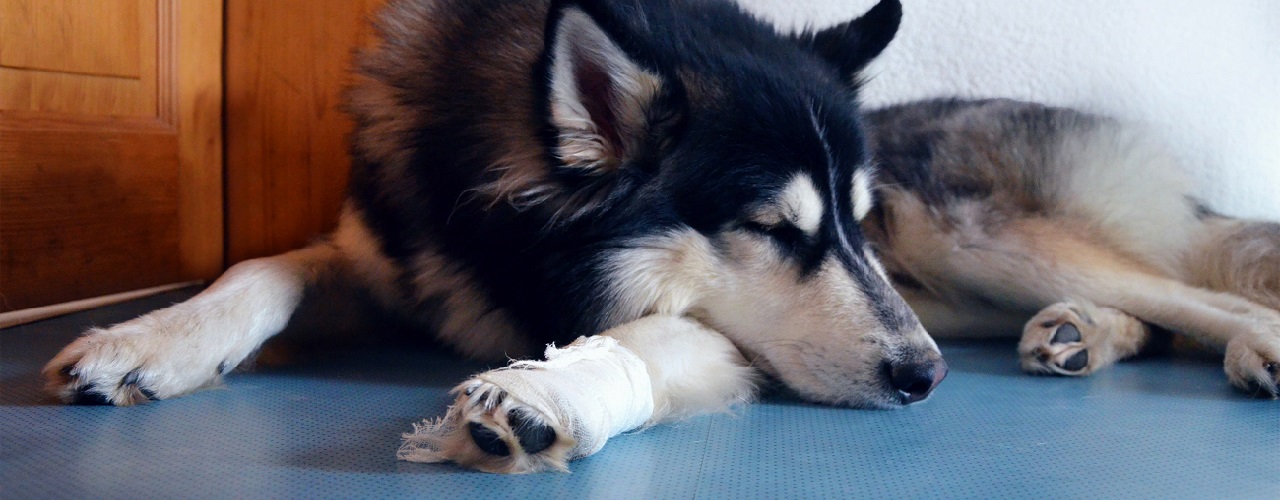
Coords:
916,379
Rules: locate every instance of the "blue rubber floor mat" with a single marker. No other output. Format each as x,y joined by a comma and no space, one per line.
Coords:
329,429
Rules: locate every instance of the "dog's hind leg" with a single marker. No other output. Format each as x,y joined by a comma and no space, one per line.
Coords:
1239,257
1033,263
190,345
1248,333
537,415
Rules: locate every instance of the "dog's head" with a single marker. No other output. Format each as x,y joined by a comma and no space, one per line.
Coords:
724,168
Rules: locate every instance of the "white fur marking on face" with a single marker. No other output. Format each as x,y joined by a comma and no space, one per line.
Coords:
862,197
831,169
801,204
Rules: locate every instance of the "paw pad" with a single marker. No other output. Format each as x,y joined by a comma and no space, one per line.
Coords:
1077,361
1066,334
488,440
534,436
531,434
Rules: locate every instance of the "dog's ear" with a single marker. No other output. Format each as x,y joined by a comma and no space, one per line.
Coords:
599,99
852,45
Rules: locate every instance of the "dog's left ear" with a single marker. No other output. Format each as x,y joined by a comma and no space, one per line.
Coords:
852,45
599,98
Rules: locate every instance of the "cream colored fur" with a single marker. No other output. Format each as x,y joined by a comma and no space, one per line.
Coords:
1125,244
188,346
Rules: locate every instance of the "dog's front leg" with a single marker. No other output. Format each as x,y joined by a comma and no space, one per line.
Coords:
537,415
176,350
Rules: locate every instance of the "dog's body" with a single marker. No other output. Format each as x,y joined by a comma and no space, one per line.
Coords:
992,212
676,176
690,193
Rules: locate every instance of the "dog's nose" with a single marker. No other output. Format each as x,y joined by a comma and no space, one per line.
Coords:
916,379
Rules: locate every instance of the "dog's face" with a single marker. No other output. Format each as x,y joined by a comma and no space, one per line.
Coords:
736,177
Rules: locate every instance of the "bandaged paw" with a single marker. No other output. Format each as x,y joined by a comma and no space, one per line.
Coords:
538,415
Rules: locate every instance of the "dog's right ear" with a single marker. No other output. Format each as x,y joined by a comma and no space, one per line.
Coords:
852,45
599,98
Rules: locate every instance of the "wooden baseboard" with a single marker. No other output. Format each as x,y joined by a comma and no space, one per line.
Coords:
23,316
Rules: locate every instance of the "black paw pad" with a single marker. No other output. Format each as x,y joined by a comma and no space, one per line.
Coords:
1077,361
534,435
88,397
487,440
1066,334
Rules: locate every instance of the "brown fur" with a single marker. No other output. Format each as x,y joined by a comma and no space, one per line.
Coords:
392,79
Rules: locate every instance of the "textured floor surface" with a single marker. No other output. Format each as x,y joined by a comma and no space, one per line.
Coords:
1146,429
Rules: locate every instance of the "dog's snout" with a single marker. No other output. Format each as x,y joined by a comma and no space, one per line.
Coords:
916,379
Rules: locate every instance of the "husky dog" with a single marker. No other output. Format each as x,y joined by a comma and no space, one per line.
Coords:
995,211
671,183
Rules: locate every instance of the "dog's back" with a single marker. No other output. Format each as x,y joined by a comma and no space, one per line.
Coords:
983,164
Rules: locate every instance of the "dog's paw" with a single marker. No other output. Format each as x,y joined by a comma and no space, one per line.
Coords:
489,429
1077,339
537,415
500,426
134,362
1252,362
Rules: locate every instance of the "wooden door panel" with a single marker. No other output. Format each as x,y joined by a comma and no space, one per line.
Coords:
110,156
82,214
85,57
287,155
91,37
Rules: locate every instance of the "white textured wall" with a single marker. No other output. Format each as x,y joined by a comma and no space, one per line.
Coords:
1203,74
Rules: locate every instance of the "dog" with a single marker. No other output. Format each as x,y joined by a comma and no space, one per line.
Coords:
670,191
993,211
685,201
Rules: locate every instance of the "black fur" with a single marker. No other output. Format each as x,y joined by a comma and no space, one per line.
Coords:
872,32
731,126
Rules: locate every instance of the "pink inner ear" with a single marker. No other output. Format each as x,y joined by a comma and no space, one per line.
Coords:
596,89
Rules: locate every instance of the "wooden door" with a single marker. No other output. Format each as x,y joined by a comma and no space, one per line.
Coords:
110,146
287,156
